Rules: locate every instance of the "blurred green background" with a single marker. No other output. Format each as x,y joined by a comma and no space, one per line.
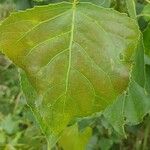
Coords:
18,129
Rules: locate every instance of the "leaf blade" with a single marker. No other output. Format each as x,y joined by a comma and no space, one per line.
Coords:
71,59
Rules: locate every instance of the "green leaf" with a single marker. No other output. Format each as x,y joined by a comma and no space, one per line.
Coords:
146,37
137,104
2,138
131,107
9,147
75,140
138,70
147,59
146,12
9,125
105,143
131,8
115,115
147,86
104,3
22,5
76,59
38,0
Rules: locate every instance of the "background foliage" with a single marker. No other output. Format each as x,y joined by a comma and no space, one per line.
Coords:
18,129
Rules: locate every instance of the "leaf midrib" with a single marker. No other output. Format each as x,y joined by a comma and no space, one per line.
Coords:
71,42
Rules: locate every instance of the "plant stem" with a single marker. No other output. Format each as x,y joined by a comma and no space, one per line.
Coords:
48,145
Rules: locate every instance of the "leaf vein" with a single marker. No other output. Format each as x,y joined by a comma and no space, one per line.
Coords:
61,14
52,59
98,67
34,48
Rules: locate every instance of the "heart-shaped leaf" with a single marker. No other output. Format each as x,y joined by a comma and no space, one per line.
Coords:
76,57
